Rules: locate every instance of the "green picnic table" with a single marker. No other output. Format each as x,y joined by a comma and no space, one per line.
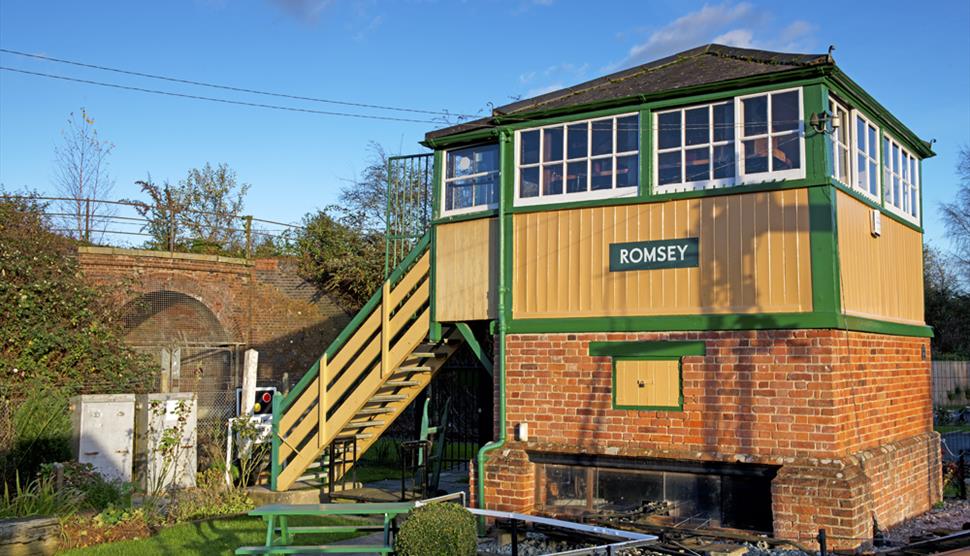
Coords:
279,535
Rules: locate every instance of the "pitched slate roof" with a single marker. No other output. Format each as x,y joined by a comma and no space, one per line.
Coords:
703,65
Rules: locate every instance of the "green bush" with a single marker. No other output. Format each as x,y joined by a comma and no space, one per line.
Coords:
438,529
212,498
97,492
38,497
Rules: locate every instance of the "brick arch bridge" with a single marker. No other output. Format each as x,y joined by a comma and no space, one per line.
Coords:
194,299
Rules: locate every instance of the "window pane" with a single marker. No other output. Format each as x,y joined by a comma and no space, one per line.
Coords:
602,174
784,111
529,182
697,164
697,126
552,179
873,179
724,161
473,160
842,164
756,156
724,121
577,140
576,177
843,132
486,190
912,171
860,134
529,150
668,168
756,116
552,144
669,130
872,142
627,171
785,153
460,194
602,137
860,171
912,203
897,197
628,134
895,158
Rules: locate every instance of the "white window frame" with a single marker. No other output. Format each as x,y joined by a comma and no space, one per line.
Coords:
740,176
566,197
913,182
848,148
443,186
711,182
856,116
771,175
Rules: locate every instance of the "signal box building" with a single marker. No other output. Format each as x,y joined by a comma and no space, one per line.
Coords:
703,276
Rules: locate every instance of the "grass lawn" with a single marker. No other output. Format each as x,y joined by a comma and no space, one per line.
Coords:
210,538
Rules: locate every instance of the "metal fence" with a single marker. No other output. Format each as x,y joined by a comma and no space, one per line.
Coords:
951,383
137,224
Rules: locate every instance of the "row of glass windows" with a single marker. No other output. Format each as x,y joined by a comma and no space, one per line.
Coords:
856,159
744,140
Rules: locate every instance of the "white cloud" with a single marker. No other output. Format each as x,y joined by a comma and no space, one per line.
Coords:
733,24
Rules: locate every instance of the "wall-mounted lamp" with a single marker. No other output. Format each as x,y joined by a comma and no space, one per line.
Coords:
824,122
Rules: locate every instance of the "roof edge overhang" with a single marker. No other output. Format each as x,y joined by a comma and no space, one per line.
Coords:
485,129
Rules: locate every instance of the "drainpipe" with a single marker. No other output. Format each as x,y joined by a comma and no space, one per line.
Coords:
500,367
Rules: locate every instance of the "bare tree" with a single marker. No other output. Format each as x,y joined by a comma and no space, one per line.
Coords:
81,176
956,217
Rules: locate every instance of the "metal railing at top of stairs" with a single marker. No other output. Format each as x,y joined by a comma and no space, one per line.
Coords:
355,323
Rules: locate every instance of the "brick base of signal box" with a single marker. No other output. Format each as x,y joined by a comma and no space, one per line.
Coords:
846,417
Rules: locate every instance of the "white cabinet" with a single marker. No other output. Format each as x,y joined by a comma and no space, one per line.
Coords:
103,433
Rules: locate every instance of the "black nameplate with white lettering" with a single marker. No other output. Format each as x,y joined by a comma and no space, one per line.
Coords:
650,255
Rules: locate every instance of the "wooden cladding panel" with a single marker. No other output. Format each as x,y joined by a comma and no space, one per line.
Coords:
882,277
754,257
466,270
648,384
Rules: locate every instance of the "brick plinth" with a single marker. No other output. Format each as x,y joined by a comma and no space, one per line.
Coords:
845,416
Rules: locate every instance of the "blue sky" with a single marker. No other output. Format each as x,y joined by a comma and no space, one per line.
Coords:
433,55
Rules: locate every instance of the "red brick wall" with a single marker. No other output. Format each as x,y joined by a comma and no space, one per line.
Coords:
262,304
808,400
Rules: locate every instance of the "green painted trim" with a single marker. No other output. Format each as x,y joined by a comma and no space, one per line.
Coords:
434,331
659,349
720,191
646,146
274,459
846,88
872,204
490,213
506,160
729,321
863,324
680,385
823,246
472,341
358,319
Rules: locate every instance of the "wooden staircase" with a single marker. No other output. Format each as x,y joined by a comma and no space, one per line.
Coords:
364,380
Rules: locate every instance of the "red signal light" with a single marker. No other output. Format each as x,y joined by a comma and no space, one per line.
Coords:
266,397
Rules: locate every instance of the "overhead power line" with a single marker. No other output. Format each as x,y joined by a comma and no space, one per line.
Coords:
215,99
230,87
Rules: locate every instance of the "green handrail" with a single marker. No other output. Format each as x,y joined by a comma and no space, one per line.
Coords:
355,323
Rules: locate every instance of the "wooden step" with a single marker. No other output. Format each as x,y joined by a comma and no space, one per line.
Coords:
412,369
424,355
358,436
364,424
387,398
374,411
399,384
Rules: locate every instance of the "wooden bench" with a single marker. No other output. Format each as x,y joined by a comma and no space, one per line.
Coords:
279,535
